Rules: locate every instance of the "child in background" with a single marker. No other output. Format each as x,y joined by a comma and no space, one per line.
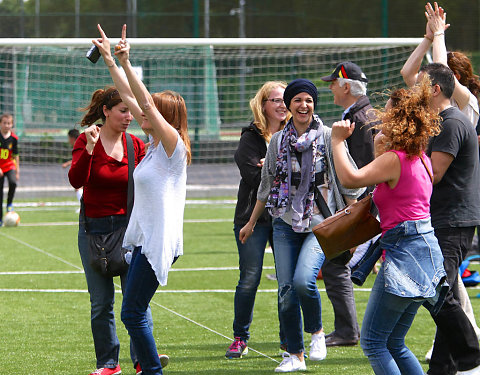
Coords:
9,161
72,137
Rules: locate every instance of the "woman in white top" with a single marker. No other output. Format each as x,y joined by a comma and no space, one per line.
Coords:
155,230
467,85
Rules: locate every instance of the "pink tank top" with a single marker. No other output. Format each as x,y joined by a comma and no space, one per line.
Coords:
410,198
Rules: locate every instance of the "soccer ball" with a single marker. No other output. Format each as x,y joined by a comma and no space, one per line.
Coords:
11,219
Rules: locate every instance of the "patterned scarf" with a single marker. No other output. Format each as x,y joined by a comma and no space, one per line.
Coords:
308,145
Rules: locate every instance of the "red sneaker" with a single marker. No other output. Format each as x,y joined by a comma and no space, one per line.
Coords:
107,371
237,349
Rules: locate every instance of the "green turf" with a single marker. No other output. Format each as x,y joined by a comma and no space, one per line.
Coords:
48,331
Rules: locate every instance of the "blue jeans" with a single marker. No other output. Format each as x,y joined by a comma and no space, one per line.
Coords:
387,320
139,291
251,263
102,295
298,259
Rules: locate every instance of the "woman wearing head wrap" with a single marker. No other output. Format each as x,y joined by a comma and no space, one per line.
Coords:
298,163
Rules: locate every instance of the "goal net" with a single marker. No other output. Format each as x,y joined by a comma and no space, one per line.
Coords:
44,82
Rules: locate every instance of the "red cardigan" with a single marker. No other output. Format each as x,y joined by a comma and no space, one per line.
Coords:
104,179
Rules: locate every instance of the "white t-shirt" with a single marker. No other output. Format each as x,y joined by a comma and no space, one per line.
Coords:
470,110
156,222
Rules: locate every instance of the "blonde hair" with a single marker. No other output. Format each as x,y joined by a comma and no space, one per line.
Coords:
257,103
410,122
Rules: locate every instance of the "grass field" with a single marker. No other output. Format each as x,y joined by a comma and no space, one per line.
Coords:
45,309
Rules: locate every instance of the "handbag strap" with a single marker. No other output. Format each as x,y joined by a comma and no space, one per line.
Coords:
130,190
321,204
325,211
428,170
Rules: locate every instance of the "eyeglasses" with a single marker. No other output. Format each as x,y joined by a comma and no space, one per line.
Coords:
277,101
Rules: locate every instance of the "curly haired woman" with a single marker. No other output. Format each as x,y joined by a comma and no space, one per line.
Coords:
413,269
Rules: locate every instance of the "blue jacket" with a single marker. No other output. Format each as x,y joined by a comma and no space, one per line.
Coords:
413,266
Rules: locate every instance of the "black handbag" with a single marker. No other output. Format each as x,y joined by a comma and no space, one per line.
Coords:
107,255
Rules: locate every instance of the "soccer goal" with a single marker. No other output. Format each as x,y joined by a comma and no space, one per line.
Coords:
45,81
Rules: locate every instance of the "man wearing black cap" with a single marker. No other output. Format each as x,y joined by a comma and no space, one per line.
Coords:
349,88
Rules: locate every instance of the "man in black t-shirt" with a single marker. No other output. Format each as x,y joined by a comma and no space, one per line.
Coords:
455,211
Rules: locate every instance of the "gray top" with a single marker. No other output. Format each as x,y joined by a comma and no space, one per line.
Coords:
335,189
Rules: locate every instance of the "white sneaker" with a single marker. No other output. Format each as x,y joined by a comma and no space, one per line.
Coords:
290,363
428,356
318,349
473,371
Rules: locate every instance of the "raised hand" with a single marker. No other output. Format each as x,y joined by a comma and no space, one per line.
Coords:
122,49
436,19
92,133
103,45
343,129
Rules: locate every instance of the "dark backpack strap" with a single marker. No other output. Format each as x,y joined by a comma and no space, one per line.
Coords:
131,167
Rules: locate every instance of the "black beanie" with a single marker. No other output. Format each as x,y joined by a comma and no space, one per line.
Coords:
296,87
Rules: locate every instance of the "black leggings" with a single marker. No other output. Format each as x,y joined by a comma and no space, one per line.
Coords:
12,185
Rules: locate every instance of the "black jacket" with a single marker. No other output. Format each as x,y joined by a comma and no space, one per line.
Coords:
360,143
251,149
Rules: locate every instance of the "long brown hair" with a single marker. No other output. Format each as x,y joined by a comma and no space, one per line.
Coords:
173,109
409,123
108,97
461,65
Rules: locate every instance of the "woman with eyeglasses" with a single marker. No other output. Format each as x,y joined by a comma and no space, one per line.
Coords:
269,116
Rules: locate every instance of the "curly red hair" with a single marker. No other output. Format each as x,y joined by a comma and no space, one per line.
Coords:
409,122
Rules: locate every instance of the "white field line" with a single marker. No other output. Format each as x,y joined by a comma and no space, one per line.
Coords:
2,233
208,202
174,291
118,291
172,270
70,223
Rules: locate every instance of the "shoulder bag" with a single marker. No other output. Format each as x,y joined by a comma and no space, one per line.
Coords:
107,255
348,228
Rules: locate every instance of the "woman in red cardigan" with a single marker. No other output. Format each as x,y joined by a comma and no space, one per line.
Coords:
100,166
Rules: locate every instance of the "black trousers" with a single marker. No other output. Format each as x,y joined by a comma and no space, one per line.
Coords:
12,185
456,345
339,289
